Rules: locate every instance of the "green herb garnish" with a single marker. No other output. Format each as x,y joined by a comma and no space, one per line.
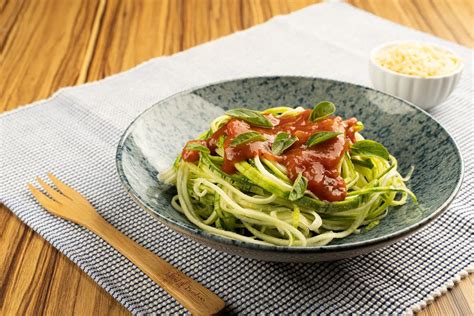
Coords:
367,163
320,137
369,148
322,110
253,117
247,137
282,142
299,187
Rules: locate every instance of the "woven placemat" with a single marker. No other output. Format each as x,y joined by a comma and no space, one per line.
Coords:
74,134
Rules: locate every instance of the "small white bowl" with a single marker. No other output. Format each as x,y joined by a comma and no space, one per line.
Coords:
426,92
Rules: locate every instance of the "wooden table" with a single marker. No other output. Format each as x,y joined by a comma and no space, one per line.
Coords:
48,44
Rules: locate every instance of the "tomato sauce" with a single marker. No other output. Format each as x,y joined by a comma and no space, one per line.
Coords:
318,164
192,155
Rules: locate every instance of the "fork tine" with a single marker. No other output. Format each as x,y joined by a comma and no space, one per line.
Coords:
44,200
67,190
58,197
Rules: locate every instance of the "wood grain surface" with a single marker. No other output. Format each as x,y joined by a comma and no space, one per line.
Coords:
48,44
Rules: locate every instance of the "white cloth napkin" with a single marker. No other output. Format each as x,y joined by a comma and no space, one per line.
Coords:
74,134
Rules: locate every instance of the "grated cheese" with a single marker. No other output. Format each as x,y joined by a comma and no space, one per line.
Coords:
418,59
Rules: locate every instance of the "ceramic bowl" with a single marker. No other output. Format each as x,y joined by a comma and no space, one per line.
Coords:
424,92
155,138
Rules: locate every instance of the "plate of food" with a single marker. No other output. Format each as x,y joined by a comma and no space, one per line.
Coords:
289,168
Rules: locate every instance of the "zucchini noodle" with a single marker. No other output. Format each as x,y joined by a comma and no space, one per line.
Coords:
253,204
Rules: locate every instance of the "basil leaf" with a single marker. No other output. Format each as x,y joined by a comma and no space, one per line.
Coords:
322,110
282,142
370,148
320,137
367,163
299,187
250,116
247,137
198,147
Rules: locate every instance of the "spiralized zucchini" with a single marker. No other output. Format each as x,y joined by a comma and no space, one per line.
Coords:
253,204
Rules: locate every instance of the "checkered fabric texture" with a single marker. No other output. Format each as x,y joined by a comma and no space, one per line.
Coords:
74,135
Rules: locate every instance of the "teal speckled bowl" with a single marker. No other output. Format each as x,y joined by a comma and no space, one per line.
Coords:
152,141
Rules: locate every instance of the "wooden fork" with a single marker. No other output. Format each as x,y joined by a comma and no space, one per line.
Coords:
69,204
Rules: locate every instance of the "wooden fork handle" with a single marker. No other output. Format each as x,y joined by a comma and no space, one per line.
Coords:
192,295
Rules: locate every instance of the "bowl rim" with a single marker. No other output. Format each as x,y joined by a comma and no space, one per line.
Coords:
378,48
199,234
